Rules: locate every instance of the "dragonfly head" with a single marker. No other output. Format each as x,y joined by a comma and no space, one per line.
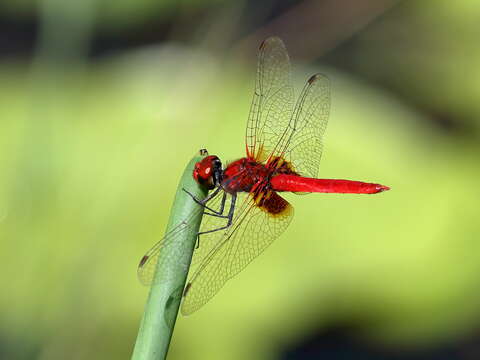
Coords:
208,172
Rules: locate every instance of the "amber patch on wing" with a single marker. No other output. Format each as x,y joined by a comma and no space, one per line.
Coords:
260,155
271,202
281,165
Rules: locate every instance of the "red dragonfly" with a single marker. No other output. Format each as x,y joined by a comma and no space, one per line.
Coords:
243,213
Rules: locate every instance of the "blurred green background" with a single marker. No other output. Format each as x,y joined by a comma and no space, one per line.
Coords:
102,103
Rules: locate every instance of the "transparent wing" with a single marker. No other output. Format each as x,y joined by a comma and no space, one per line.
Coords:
277,129
273,100
259,219
302,144
148,263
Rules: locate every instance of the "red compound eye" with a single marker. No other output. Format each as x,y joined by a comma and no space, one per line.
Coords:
203,172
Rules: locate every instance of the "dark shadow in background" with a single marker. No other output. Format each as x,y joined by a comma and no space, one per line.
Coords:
340,343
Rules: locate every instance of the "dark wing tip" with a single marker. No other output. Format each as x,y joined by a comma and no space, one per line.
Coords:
312,78
187,288
143,261
271,40
317,77
263,45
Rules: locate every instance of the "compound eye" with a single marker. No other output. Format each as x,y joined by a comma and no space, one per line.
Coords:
203,173
196,171
207,178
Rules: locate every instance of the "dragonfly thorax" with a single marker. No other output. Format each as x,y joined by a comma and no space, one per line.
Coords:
243,174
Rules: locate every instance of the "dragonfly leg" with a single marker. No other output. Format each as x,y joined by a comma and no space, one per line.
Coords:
204,202
219,213
231,211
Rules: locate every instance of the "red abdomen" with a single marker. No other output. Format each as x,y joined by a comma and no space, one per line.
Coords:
303,184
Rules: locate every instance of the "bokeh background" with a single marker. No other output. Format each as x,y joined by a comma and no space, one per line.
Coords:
102,103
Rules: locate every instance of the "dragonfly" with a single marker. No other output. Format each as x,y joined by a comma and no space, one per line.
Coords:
243,211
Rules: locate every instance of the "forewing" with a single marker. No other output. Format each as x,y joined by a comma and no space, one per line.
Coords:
303,143
148,263
272,102
257,222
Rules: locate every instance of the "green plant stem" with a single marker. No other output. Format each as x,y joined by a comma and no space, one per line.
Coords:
163,302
